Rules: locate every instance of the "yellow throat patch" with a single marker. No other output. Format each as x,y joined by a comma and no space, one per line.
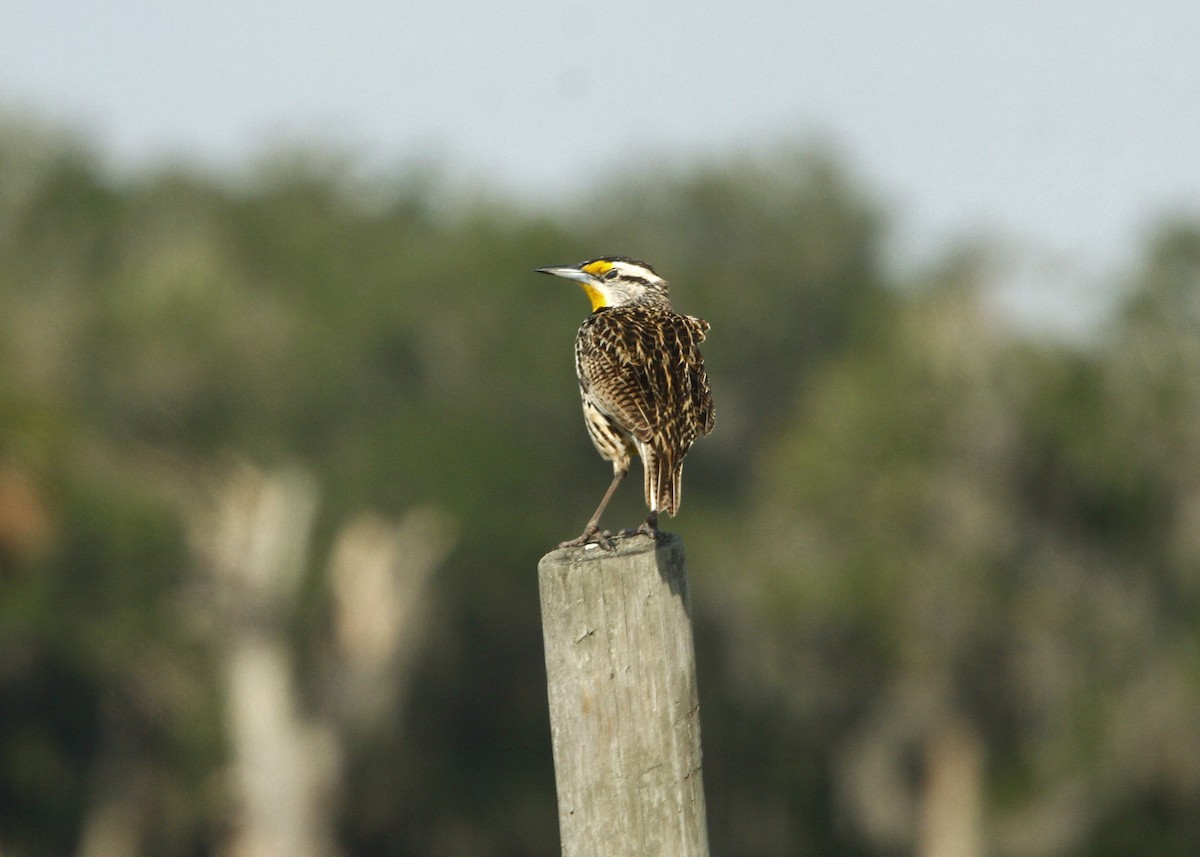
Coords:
596,296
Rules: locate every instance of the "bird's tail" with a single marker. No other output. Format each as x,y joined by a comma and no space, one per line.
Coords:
664,480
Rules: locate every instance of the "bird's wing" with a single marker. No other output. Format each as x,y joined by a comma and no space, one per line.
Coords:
643,369
613,371
701,394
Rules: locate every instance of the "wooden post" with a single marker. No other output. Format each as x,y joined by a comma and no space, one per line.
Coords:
624,713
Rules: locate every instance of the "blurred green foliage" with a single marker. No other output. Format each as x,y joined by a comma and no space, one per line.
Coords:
910,515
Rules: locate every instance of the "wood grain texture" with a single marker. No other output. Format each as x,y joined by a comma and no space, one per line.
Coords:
624,711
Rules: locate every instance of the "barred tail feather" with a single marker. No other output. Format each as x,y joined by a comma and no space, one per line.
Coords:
670,487
663,474
650,469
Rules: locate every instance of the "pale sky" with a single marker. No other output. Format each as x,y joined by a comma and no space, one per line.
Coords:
1067,127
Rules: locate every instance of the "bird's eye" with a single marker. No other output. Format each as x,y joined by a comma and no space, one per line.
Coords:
611,275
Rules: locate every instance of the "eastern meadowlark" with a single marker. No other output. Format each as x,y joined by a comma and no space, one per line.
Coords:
642,379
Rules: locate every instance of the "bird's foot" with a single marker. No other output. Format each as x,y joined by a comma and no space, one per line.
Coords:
649,528
591,536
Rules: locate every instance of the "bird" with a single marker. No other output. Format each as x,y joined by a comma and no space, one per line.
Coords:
642,380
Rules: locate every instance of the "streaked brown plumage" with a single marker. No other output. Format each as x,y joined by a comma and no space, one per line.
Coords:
642,380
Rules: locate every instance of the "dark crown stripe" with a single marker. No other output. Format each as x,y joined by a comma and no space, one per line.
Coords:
627,259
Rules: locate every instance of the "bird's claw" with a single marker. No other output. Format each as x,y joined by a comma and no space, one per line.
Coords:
649,528
643,530
591,536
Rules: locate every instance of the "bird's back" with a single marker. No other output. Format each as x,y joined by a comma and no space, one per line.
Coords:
641,365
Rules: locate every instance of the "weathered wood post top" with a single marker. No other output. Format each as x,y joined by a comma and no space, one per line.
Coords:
624,711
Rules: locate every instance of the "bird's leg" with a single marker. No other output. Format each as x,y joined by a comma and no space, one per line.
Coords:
591,532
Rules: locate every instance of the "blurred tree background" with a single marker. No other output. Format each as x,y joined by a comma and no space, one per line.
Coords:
278,457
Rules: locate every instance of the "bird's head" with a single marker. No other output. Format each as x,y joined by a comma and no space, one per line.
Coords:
614,281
